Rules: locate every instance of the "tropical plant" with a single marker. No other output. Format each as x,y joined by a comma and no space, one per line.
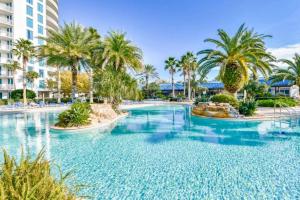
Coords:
32,179
13,66
149,72
73,43
181,67
121,53
31,76
224,98
255,89
247,108
236,56
115,85
291,72
277,102
77,115
170,65
18,94
24,50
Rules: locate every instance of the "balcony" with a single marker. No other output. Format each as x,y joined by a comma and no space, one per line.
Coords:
6,87
6,48
4,9
5,60
6,35
5,22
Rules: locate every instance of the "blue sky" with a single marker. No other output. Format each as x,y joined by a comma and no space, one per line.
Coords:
163,28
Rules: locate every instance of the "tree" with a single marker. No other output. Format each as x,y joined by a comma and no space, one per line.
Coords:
170,65
66,83
73,43
24,50
181,67
149,72
31,76
189,65
291,73
236,56
13,67
121,53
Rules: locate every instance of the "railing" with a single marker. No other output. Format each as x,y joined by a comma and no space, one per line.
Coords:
6,47
6,8
6,21
6,34
6,87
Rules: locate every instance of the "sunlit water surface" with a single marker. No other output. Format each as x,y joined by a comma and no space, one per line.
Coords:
165,153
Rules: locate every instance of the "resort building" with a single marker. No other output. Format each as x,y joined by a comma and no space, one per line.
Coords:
284,87
25,19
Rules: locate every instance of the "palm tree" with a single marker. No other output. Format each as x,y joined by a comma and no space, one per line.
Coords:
236,56
13,67
149,72
31,76
291,73
73,43
170,65
181,67
94,62
24,50
120,52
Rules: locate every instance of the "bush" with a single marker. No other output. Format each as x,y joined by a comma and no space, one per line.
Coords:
18,94
283,102
77,115
247,108
31,179
225,98
2,102
203,98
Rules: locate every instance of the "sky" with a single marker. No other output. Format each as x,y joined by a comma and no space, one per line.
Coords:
164,28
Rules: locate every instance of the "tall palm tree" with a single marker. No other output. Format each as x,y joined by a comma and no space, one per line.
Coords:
121,53
24,50
72,42
181,67
236,56
170,65
94,62
291,72
13,67
149,72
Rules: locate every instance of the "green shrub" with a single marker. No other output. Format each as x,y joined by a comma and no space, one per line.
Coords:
283,102
18,94
77,115
31,179
202,98
225,98
247,108
2,102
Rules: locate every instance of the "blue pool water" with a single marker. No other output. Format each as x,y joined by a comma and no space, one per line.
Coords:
165,153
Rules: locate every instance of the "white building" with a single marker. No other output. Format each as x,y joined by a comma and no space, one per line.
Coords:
26,19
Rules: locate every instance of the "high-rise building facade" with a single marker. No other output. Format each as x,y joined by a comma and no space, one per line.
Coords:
26,19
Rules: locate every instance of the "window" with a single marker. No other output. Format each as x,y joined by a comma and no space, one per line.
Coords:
40,42
30,1
9,55
0,70
29,35
40,18
40,29
10,81
42,62
0,81
42,84
29,10
30,68
0,95
29,22
31,61
41,73
40,7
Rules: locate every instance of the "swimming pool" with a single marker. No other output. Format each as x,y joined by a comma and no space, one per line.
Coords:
165,153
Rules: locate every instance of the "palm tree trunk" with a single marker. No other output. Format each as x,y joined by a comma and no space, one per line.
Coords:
58,86
14,80
74,82
91,86
24,81
173,88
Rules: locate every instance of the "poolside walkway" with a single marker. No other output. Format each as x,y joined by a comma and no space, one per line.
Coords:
271,113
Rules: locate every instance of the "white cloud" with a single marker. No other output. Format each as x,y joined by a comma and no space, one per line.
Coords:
286,52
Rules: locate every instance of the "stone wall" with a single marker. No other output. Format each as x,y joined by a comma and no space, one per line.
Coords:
217,110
